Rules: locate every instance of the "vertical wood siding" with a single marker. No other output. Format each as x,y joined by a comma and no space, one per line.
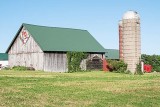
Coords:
30,47
34,60
29,54
55,62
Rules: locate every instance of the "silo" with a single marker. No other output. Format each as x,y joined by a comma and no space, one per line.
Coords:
131,42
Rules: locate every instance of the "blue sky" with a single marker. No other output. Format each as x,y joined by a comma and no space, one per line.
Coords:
99,17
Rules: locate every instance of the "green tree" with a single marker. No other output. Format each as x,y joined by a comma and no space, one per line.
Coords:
153,60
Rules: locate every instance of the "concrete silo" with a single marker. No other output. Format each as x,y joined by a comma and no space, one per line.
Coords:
129,39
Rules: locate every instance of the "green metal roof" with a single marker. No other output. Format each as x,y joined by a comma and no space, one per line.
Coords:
112,54
3,56
63,39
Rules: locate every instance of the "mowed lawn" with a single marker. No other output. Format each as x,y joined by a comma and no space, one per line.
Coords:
86,89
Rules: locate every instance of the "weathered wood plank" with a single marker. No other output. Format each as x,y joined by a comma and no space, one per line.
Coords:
19,47
34,60
55,62
28,54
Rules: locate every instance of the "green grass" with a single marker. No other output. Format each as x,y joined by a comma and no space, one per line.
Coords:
86,89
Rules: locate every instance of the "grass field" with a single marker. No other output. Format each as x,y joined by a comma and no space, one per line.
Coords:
86,89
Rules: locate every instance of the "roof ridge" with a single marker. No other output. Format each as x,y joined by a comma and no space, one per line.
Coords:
53,27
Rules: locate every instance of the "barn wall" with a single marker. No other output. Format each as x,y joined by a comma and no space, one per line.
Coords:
34,60
26,54
55,62
19,47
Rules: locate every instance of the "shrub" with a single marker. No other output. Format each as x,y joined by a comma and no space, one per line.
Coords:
19,68
138,69
127,72
157,69
22,68
117,66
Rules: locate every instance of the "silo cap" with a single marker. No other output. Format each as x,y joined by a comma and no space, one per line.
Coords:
131,15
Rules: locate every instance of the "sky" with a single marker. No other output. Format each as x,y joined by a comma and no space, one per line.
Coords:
99,17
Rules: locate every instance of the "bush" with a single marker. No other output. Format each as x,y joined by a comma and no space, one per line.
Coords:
138,69
127,72
117,66
22,68
157,69
19,68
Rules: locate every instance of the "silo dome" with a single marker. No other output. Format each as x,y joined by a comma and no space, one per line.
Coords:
131,15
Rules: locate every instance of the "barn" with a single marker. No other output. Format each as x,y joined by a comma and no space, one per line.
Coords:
3,60
44,48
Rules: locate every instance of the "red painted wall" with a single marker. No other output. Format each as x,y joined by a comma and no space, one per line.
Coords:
105,65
